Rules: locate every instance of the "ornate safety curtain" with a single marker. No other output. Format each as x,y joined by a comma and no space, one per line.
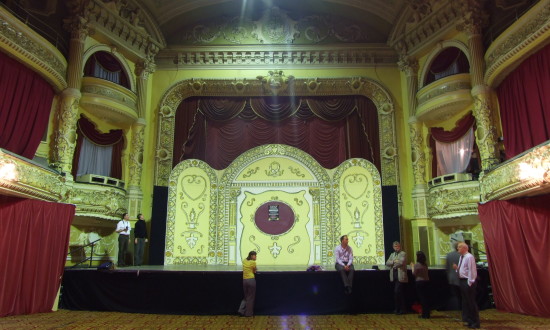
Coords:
516,234
524,100
34,239
114,137
330,129
25,105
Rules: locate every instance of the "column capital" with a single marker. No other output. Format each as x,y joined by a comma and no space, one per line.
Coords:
409,65
474,18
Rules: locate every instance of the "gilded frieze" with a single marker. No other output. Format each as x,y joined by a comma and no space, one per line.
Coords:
528,31
20,40
324,87
22,178
526,175
453,200
97,200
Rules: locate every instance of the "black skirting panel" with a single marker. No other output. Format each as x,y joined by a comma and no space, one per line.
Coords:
211,293
158,225
390,209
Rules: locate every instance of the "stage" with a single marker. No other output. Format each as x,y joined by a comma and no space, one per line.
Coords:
211,290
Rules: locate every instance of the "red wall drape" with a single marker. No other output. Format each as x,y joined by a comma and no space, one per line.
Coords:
516,234
524,100
34,239
114,137
25,105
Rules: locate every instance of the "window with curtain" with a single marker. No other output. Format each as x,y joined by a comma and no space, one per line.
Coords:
94,159
454,157
453,150
105,66
96,152
449,62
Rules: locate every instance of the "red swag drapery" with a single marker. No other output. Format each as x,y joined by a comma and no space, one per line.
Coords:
34,239
114,137
25,105
331,130
441,135
516,234
525,104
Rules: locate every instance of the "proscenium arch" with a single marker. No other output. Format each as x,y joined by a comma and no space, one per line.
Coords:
297,87
436,51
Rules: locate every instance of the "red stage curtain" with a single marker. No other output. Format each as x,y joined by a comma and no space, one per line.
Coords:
218,137
516,235
34,239
25,105
525,104
114,137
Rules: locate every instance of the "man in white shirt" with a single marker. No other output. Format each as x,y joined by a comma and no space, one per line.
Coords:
344,263
467,273
123,229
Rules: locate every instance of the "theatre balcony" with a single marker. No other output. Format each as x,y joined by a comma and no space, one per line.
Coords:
21,177
99,200
443,98
527,174
109,101
453,195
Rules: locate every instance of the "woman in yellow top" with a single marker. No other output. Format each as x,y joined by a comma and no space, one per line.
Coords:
249,285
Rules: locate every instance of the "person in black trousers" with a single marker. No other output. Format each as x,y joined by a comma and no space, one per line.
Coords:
420,273
140,238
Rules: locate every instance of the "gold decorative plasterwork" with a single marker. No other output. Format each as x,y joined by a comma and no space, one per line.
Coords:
523,36
97,200
108,100
29,180
453,200
408,38
444,98
512,179
325,87
296,56
26,45
124,24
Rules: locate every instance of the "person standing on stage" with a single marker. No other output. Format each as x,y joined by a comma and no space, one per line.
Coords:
123,229
467,273
140,238
422,280
397,262
452,276
249,285
344,263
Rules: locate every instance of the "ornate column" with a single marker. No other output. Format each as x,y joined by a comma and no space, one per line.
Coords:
418,159
67,113
421,225
135,195
486,134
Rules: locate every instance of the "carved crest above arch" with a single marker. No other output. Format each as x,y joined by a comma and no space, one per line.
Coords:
262,87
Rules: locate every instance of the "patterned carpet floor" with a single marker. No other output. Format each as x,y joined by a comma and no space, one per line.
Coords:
65,319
